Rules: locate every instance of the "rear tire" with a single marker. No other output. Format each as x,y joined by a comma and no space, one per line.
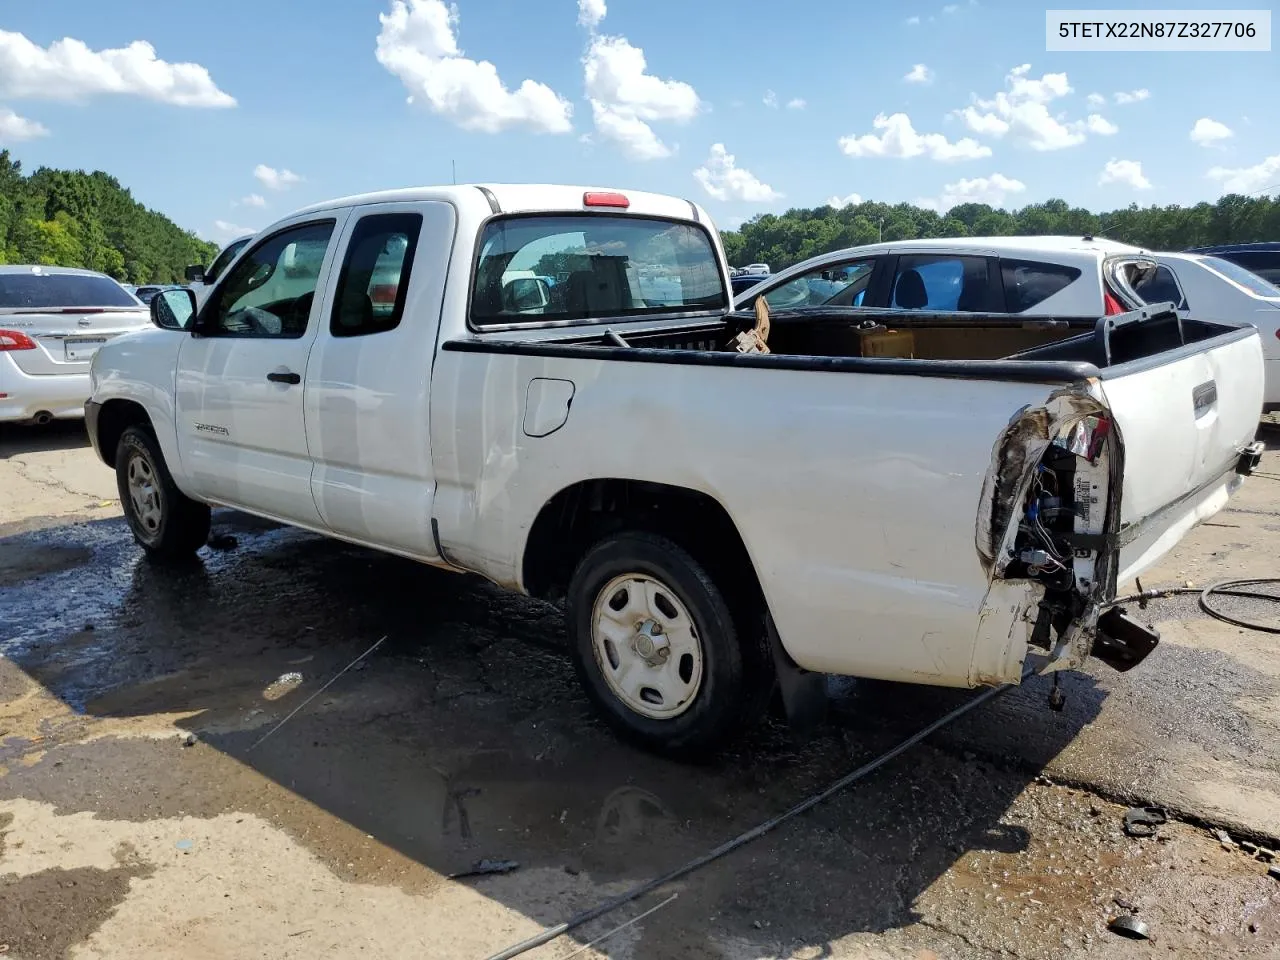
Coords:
167,524
656,647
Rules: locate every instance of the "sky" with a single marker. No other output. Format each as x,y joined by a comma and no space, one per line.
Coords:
227,116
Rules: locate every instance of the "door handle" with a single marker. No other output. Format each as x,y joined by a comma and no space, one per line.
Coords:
284,377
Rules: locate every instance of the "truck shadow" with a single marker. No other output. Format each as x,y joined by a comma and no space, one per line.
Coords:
466,737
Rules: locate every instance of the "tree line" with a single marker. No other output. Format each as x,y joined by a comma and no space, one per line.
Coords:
70,218
799,234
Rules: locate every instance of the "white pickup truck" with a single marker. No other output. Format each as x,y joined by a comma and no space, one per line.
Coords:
930,498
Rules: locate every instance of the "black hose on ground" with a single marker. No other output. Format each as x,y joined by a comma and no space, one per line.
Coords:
1227,588
754,833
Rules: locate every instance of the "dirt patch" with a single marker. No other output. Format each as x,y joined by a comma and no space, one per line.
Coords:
20,561
44,914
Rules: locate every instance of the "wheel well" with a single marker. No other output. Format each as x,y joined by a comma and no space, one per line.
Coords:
580,515
114,419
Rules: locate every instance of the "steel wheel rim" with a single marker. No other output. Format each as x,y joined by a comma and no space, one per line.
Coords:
647,647
144,493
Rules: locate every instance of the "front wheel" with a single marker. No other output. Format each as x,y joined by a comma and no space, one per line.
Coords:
656,647
165,522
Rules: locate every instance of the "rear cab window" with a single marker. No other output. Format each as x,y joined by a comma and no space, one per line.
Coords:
45,291
574,267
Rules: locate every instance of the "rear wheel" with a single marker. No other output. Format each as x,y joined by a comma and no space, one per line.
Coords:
165,522
656,646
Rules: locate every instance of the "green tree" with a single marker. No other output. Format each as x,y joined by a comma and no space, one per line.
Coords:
781,240
77,219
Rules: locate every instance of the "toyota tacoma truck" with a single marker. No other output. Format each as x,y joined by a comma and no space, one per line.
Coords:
726,504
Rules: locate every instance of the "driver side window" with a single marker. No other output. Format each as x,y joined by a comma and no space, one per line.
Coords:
270,291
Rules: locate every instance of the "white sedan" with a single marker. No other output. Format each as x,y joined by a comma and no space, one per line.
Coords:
1072,279
52,321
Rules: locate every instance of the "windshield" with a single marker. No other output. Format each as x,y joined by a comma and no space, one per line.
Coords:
573,267
1240,276
42,291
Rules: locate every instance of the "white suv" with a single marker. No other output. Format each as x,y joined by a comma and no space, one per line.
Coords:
1040,278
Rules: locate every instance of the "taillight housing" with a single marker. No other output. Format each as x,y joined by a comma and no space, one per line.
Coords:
15,340
1112,304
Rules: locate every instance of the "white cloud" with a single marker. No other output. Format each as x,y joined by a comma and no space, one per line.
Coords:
797,103
229,231
417,43
633,135
1096,99
1253,179
900,139
1207,132
951,8
919,74
591,12
991,190
1022,110
253,200
851,200
1127,173
274,179
1100,125
68,70
1132,96
913,21
14,129
625,98
770,100
723,179
987,124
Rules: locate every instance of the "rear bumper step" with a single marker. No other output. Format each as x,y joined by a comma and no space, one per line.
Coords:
1122,642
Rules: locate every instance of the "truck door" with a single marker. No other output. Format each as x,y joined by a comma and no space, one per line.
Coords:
241,434
369,377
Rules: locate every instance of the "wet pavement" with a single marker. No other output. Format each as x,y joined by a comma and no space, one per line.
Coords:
465,736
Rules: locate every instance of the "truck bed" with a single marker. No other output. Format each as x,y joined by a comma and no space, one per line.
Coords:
964,345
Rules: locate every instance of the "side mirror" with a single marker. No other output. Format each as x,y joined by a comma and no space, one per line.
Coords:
173,309
195,273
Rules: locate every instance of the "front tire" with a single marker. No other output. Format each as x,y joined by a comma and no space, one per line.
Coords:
167,524
656,647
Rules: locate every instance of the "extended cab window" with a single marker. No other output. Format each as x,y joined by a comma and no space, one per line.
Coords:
375,274
837,285
573,267
1028,283
932,281
269,291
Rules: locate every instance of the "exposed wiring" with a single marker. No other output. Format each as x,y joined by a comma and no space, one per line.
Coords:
754,833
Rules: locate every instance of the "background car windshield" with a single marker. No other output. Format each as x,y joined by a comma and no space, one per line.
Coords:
1245,278
843,285
541,269
37,291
